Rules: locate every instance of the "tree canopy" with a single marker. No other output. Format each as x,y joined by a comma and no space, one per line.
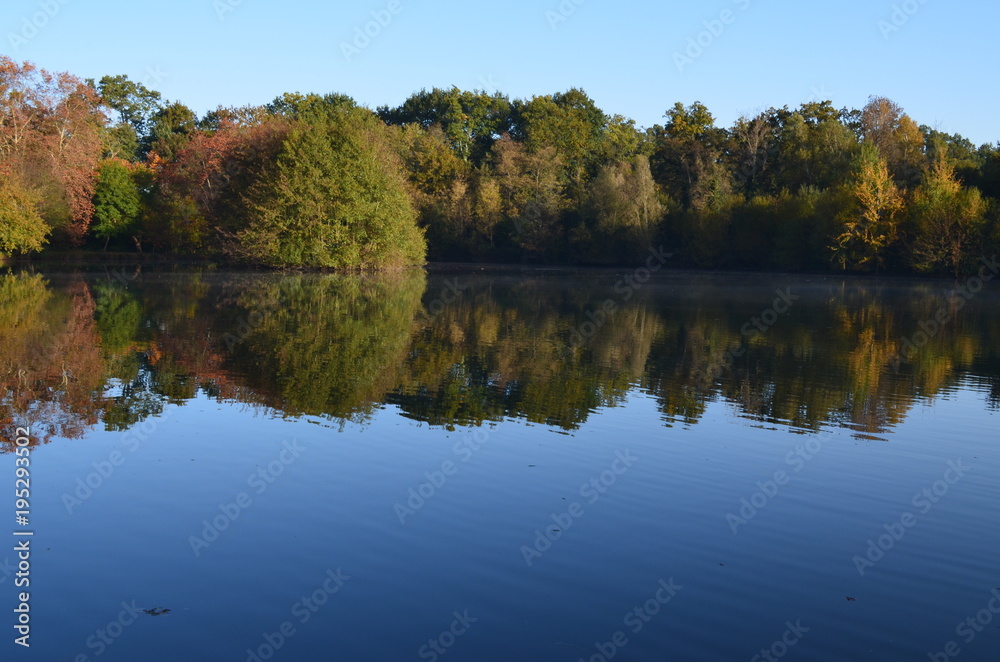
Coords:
468,175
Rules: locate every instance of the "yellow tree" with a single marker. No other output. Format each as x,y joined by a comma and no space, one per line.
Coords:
870,222
946,218
22,228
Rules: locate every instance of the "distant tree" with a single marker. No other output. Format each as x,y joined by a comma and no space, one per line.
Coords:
948,221
170,129
439,181
335,198
897,137
686,160
50,127
987,176
22,228
870,223
627,208
116,201
135,105
471,121
569,123
622,140
134,102
532,195
488,206
752,143
201,197
310,107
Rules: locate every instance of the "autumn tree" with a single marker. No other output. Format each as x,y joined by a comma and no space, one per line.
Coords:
870,223
50,140
897,137
626,206
22,228
200,199
532,194
947,221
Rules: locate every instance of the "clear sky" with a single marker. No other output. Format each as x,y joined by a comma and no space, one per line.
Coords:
937,59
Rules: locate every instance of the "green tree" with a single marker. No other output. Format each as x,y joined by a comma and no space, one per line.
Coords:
471,121
571,124
335,198
310,107
136,105
170,130
116,201
686,160
813,148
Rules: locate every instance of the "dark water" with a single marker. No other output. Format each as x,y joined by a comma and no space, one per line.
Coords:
503,466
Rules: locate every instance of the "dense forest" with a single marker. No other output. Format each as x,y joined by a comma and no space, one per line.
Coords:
453,175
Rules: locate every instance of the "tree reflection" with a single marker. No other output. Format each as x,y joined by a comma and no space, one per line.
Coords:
51,369
85,351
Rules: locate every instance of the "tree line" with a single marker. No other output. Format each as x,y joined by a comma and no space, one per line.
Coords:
452,175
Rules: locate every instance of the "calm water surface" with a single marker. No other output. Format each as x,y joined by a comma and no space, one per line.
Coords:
502,465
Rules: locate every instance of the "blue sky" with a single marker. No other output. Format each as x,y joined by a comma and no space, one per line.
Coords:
937,59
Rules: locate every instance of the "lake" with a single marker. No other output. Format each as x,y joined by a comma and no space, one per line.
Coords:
502,464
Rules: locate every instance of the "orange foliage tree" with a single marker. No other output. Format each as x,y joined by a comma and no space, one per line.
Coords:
50,140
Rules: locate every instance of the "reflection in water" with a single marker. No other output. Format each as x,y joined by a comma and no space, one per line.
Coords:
81,350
